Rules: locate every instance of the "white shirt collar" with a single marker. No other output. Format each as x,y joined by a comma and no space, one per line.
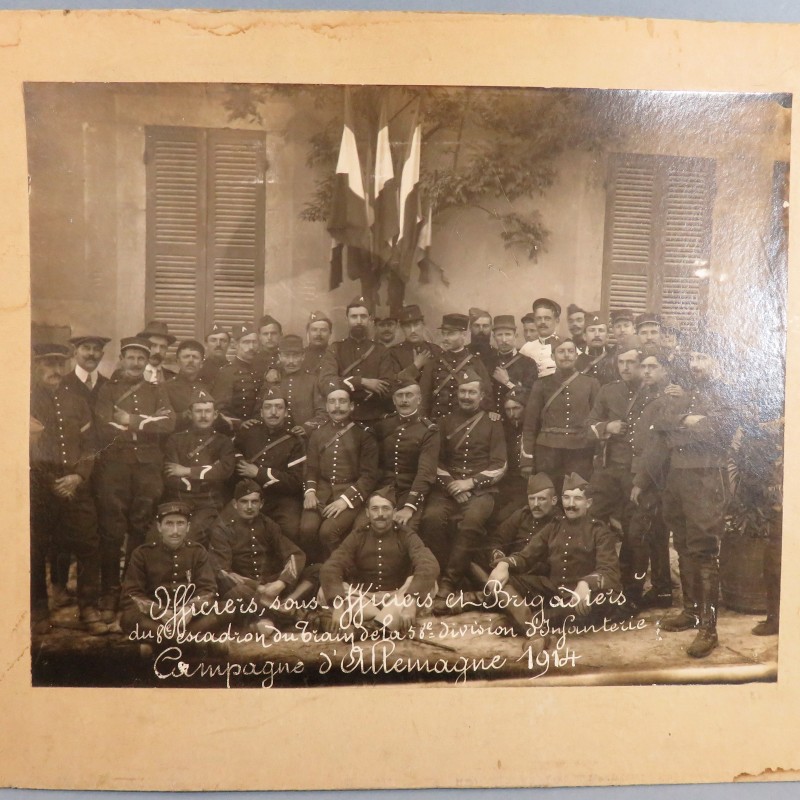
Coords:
83,375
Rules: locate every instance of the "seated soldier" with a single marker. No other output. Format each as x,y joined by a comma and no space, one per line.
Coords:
408,451
197,464
384,571
341,471
273,456
254,562
152,598
567,566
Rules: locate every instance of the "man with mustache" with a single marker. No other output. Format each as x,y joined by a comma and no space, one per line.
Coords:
386,323
318,335
510,370
218,341
187,382
160,340
364,366
86,379
511,488
267,358
576,325
412,354
238,383
597,359
480,336
546,316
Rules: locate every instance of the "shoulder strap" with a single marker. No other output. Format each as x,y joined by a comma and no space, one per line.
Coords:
594,363
130,391
469,425
360,360
452,374
560,389
269,447
511,361
337,435
200,447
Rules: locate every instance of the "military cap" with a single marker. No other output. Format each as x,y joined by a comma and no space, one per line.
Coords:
651,350
246,486
573,309
506,321
319,316
201,396
156,328
619,314
173,507
272,393
79,340
455,322
595,318
519,394
410,314
670,324
546,302
539,482
50,350
135,341
648,318
477,313
627,343
243,329
529,317
574,481
268,319
191,344
291,343
385,312
565,340
386,492
403,383
334,385
217,328
468,375
359,302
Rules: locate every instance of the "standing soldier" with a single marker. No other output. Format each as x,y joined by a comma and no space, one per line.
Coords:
576,324
510,370
341,471
622,323
472,459
267,358
511,489
160,340
597,359
385,326
648,328
697,428
272,454
412,354
408,452
86,379
364,366
480,333
554,437
546,315
439,381
218,341
197,464
131,415
318,333
187,382
238,383
62,507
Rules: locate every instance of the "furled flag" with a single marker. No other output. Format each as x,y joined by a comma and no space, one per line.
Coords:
427,266
386,225
410,205
347,221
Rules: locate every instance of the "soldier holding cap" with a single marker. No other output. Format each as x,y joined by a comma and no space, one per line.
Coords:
182,387
318,334
573,558
472,459
510,370
132,414
554,438
197,463
168,581
272,454
157,333
440,376
341,471
218,340
576,324
86,379
364,366
408,451
238,383
597,359
546,316
412,354
62,507
267,358
253,560
382,568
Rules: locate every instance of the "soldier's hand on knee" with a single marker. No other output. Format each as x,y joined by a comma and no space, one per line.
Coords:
332,510
635,492
310,501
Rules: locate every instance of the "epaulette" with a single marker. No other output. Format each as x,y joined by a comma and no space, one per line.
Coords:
429,424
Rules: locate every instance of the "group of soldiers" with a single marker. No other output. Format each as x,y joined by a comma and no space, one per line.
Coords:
414,475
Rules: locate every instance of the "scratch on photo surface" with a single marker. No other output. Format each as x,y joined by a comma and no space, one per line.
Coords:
12,664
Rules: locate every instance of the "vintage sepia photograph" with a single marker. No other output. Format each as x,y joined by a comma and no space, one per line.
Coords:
341,385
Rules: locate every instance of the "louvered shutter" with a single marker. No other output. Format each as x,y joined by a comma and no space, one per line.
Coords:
205,227
176,213
236,213
658,234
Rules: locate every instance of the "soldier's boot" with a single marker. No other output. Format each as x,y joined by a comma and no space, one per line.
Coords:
772,584
706,639
92,621
688,617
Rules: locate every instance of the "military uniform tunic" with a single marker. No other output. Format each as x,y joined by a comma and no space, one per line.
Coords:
522,372
74,384
312,358
179,391
541,351
439,382
237,389
305,404
403,354
605,370
210,369
514,533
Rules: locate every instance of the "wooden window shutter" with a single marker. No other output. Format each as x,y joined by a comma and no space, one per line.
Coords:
206,205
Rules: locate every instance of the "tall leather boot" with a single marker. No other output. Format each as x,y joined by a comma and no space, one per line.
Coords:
706,639
772,582
688,617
